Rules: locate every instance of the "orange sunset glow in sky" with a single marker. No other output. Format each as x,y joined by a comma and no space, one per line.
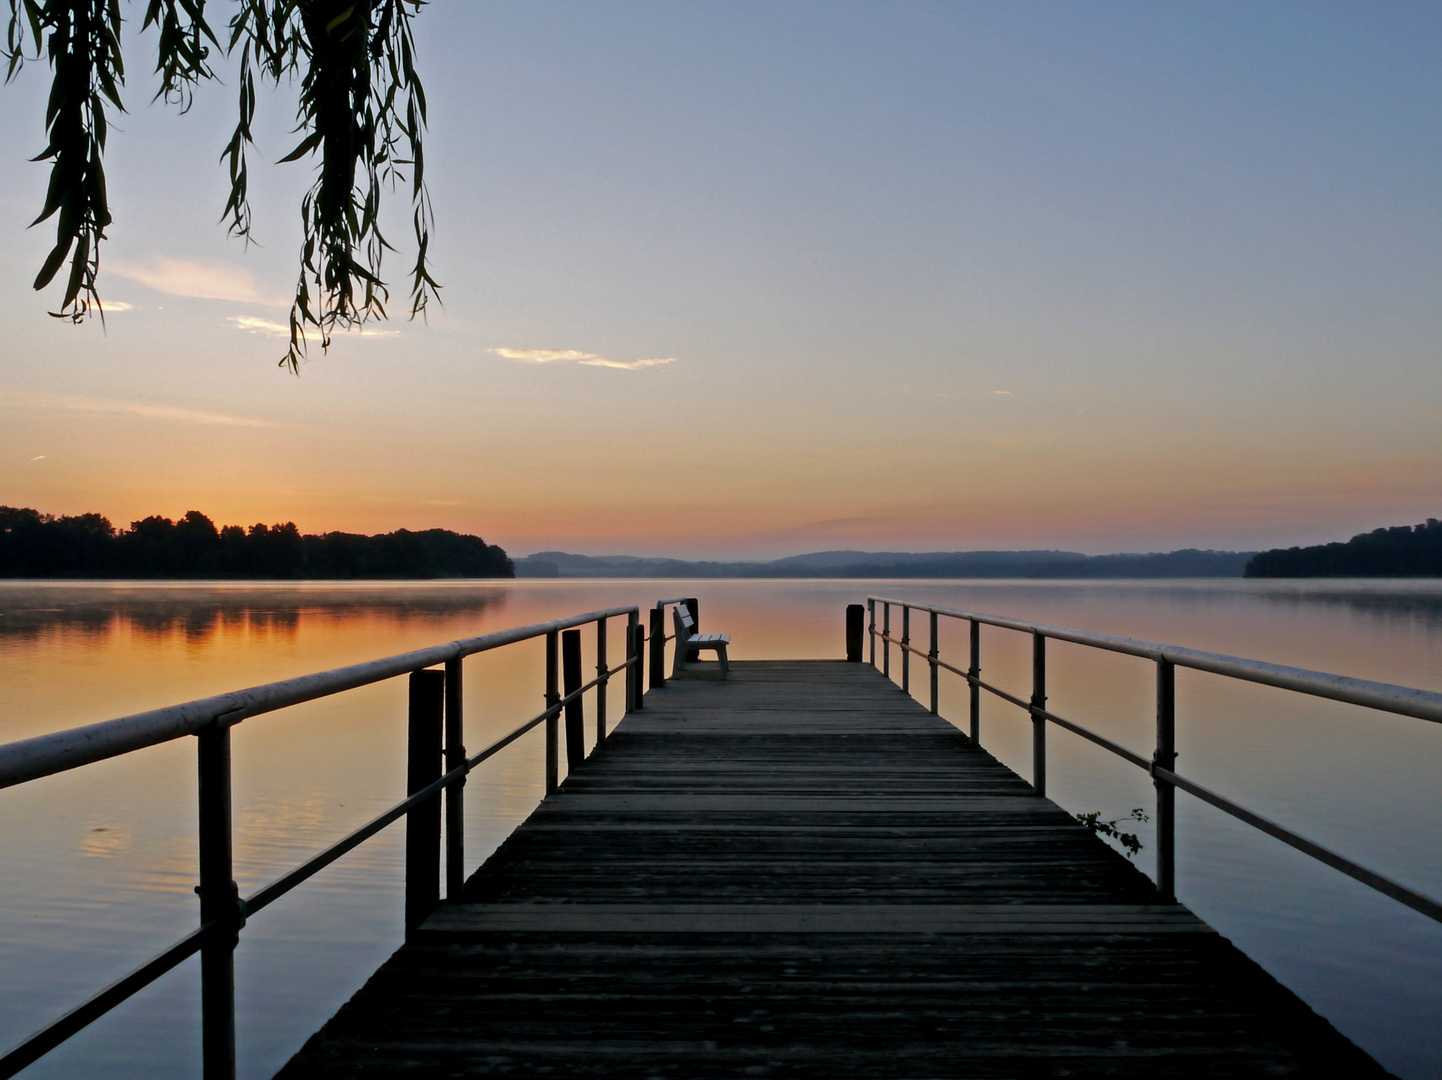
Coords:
752,279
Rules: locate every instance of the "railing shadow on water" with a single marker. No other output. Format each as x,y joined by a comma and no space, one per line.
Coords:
1161,765
437,762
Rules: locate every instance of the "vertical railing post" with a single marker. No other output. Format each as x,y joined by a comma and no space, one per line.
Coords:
1038,703
636,645
906,648
886,639
575,712
871,629
973,674
931,658
219,903
1165,757
553,698
455,794
601,673
855,628
658,646
423,822
633,624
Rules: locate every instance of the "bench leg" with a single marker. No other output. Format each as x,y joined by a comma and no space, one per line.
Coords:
721,656
679,663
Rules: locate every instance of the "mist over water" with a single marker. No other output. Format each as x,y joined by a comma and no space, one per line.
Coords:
97,865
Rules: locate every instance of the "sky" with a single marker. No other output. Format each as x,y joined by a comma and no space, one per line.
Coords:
754,279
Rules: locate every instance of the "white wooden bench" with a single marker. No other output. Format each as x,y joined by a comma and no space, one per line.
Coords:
687,639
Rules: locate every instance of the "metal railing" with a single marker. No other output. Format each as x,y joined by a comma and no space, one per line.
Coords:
1401,700
434,736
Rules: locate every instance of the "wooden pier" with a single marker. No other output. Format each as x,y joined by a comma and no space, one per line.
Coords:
802,872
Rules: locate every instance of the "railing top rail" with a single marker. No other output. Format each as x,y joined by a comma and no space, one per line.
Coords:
1387,697
44,755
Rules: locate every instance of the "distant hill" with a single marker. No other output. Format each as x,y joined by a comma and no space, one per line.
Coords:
1189,562
35,545
1400,551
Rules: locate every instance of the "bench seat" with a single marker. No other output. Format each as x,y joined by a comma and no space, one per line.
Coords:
687,639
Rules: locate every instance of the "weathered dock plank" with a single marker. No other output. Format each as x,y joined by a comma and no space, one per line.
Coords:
800,872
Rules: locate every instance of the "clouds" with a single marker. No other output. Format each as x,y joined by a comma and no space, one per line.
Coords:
163,412
200,279
254,324
131,408
216,279
629,365
544,356
568,356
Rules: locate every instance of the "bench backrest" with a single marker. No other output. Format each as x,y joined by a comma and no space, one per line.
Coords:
685,626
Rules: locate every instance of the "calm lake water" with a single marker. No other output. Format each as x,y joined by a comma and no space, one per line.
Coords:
97,865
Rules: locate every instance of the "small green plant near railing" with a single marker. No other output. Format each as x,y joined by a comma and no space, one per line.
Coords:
1130,842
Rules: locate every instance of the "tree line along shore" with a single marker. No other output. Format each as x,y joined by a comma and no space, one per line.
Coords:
1399,551
35,545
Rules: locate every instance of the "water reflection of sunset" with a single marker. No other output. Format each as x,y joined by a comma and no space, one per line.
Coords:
200,611
305,776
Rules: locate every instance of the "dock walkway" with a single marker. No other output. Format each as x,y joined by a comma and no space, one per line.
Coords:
801,872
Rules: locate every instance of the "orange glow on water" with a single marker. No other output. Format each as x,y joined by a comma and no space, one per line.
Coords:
111,847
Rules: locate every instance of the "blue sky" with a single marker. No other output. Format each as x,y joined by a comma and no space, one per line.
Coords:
1104,277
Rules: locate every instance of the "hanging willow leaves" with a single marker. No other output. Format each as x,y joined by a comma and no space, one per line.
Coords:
361,113
82,40
182,55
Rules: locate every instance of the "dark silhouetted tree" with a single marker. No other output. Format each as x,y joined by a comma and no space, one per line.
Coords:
35,545
41,546
1399,551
